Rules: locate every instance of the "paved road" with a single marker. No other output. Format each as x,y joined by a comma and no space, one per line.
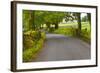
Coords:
59,47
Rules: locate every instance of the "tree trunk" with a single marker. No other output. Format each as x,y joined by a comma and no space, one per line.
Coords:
48,25
56,25
89,19
79,23
31,21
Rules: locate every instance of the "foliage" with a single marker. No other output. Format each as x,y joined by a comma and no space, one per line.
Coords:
31,53
36,19
70,30
86,32
43,36
65,31
29,39
34,37
32,44
33,21
89,17
85,35
84,19
26,18
54,17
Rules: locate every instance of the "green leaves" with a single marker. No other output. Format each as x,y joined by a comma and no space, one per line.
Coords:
26,18
34,19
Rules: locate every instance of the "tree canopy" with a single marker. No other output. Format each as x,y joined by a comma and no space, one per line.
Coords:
37,18
34,19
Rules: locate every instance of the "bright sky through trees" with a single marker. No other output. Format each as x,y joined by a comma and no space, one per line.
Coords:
83,14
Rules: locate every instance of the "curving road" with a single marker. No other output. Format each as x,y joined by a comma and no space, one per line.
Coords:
59,47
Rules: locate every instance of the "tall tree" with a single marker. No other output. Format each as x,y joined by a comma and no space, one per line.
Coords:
39,19
53,17
71,16
31,21
84,19
26,18
89,18
79,23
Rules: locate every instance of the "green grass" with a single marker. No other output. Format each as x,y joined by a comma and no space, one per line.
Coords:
71,31
68,24
86,32
64,31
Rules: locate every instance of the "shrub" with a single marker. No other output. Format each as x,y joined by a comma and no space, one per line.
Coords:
31,53
27,41
86,35
32,42
51,29
27,55
43,36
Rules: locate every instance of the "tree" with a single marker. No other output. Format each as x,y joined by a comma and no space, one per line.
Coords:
48,19
34,19
57,18
39,19
26,18
71,16
79,23
89,18
32,25
84,19
53,18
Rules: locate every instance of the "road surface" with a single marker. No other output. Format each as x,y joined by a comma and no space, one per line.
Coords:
58,47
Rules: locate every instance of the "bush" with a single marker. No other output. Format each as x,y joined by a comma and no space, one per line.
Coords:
32,42
31,53
27,55
27,41
51,29
86,35
29,38
43,36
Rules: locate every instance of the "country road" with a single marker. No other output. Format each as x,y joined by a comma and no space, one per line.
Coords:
59,47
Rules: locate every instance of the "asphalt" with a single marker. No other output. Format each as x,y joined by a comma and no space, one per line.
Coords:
59,47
